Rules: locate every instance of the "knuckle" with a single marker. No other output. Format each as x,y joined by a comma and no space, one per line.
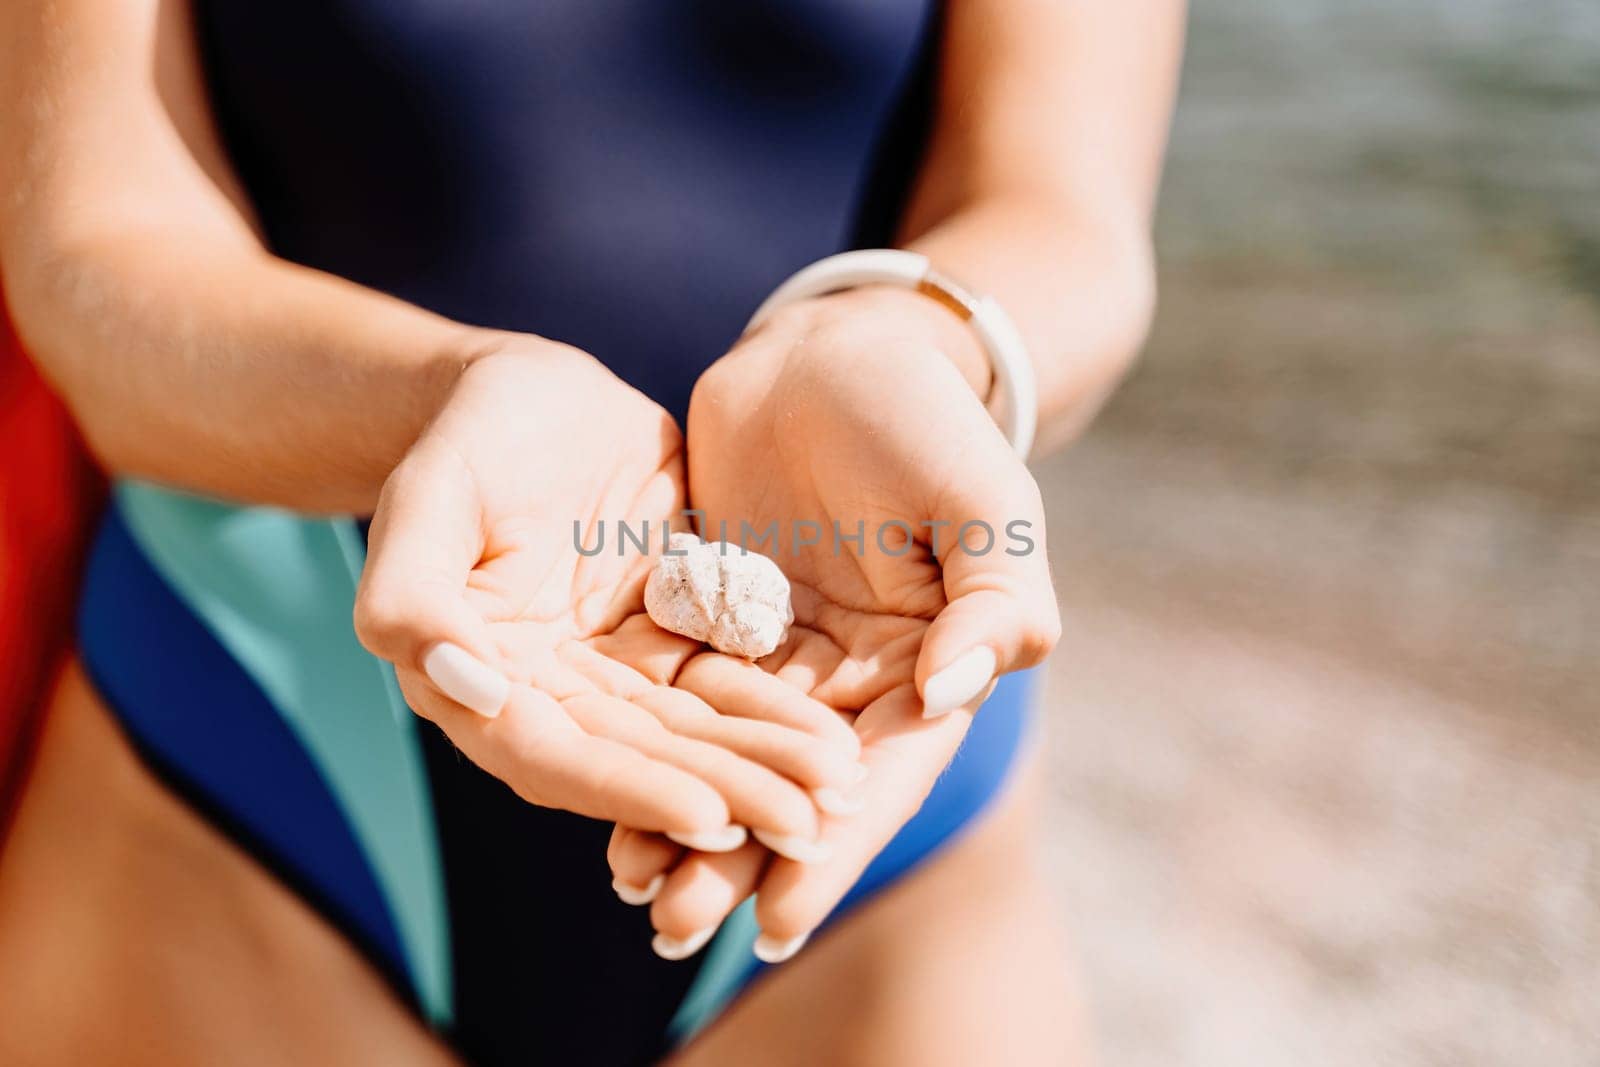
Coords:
528,748
682,914
832,767
692,675
694,808
677,709
818,761
842,739
382,617
789,914
415,695
529,787
635,865
525,762
620,850
789,811
1038,641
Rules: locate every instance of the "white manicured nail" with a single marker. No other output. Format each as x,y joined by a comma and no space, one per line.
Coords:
632,894
670,948
834,802
724,840
771,950
467,680
794,847
958,683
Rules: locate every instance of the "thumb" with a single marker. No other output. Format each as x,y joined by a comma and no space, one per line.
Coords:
1000,611
411,606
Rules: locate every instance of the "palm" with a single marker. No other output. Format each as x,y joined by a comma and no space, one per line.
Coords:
861,612
546,604
843,475
877,433
474,544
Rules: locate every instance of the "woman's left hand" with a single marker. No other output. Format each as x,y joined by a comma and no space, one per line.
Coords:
859,413
513,639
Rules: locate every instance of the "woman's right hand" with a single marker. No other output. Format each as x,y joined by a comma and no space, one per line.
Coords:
519,647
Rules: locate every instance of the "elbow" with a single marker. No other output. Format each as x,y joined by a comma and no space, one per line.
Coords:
46,285
64,329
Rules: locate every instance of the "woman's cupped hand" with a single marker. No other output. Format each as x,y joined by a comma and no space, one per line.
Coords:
536,658
913,537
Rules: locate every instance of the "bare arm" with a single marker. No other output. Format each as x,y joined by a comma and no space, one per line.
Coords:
189,354
1041,179
1037,190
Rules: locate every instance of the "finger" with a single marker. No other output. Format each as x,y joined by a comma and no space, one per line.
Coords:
700,893
737,687
755,795
602,671
537,749
1001,613
803,757
851,659
649,650
906,756
411,606
640,863
824,767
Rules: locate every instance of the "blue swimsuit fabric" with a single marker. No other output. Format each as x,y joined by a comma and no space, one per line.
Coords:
628,177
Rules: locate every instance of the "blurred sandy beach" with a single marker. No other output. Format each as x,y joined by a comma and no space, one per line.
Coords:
1325,725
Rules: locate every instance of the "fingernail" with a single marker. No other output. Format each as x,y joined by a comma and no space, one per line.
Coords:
794,847
671,948
467,680
834,802
724,840
771,950
632,894
958,683
861,773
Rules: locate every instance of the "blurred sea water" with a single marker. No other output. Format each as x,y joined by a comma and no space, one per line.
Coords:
1324,752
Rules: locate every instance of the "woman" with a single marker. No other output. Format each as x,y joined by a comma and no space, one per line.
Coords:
462,270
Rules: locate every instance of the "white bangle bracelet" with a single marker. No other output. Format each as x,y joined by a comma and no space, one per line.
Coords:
1016,398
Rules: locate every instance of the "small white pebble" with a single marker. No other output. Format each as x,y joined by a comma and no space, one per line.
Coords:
735,601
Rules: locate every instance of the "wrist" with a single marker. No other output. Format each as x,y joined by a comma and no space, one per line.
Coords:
880,310
502,356
550,388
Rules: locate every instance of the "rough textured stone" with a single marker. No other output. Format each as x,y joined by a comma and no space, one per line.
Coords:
735,601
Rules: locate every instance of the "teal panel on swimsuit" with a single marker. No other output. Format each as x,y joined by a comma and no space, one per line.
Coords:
277,589
722,974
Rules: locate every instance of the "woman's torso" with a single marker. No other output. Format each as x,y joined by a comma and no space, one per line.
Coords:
631,178
628,177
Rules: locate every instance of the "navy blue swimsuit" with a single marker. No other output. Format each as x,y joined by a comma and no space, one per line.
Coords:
628,177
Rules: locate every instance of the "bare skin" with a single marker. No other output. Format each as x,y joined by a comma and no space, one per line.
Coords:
192,356
958,964
132,932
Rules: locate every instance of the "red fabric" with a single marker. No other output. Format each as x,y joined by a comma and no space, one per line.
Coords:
50,492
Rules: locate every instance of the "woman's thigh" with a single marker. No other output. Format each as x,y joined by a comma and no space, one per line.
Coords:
960,963
133,932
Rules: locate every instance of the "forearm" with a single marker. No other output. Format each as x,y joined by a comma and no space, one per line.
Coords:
139,284
1081,294
1041,177
230,372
